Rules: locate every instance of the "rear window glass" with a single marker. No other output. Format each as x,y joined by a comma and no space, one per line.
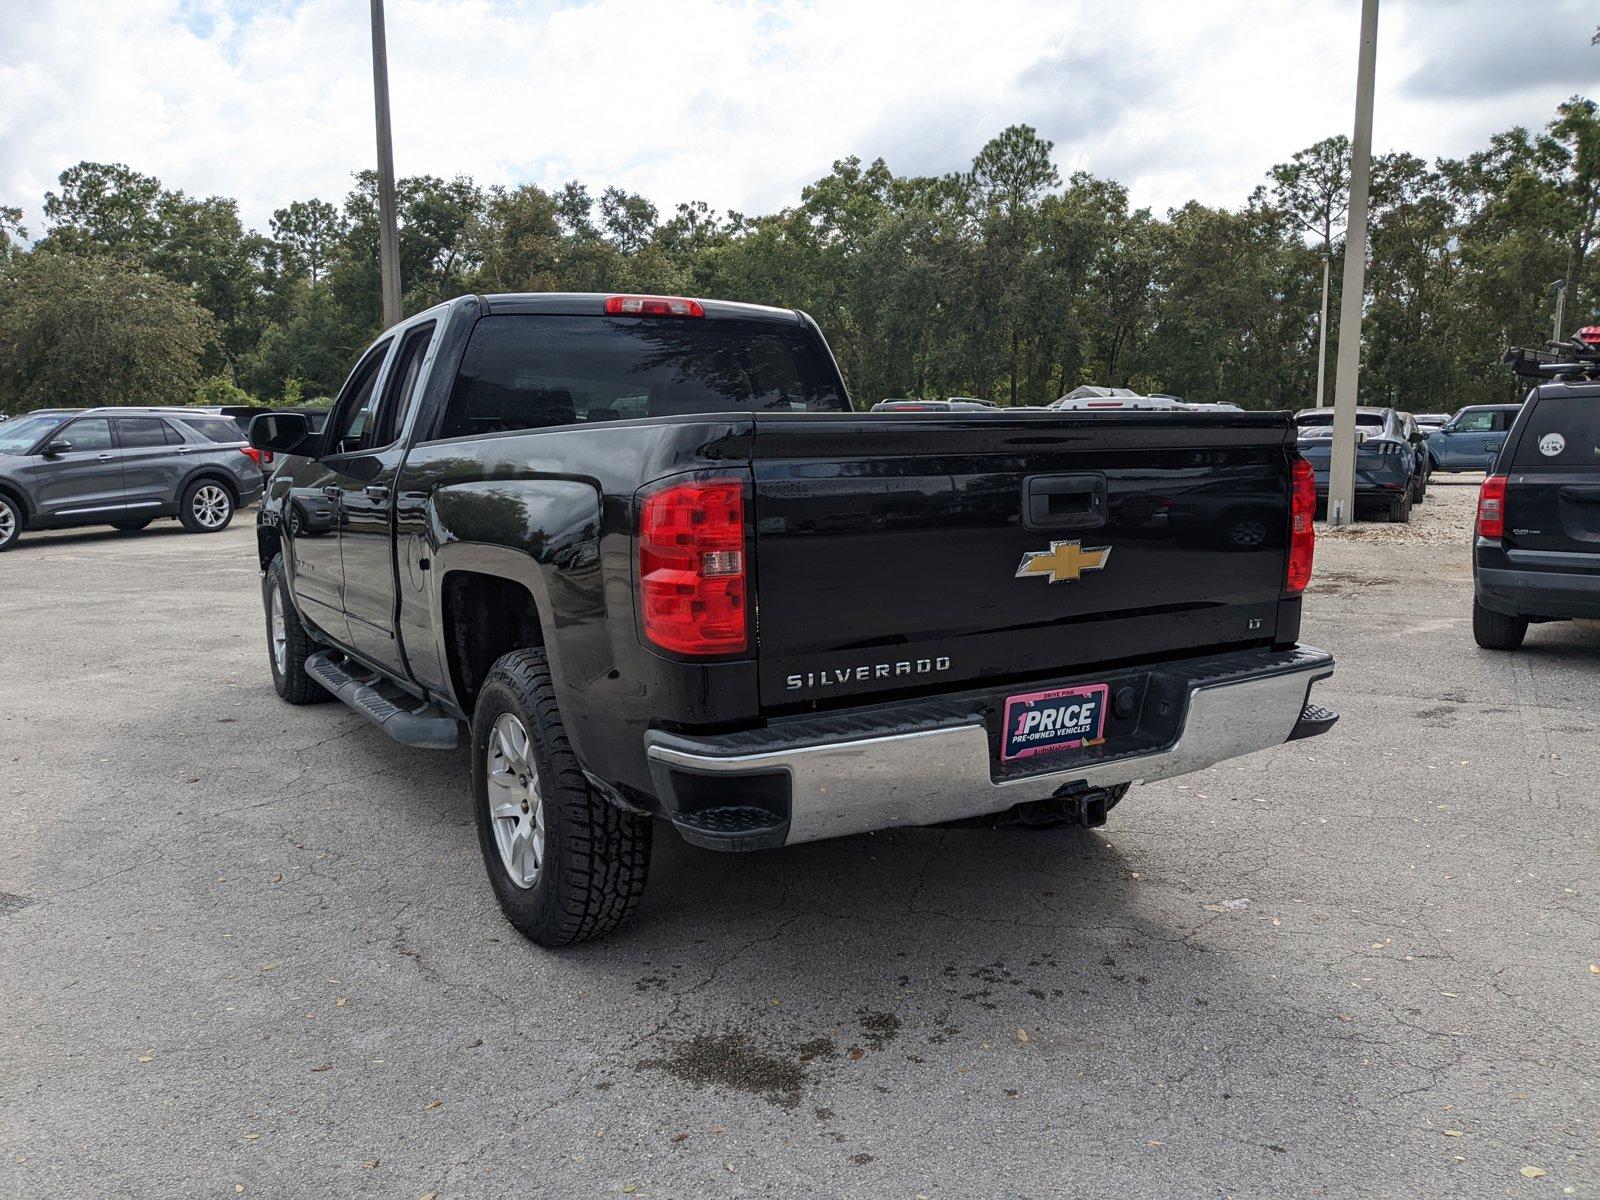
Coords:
529,372
1562,431
215,429
1317,420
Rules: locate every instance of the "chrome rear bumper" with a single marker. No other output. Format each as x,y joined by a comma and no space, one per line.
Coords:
923,776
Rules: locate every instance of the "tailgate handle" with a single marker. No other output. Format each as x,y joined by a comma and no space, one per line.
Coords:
1064,501
1578,495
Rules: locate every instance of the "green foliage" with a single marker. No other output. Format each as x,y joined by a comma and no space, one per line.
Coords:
88,329
999,281
217,390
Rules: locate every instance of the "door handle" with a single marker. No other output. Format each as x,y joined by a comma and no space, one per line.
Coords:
332,492
185,449
376,491
104,457
1064,501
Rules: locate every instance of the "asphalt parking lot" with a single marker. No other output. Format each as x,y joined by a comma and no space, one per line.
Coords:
250,949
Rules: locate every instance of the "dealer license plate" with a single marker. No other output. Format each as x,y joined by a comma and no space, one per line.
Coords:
1059,719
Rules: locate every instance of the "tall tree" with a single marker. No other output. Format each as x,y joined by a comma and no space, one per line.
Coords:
90,329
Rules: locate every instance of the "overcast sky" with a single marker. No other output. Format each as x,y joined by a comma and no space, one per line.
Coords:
742,103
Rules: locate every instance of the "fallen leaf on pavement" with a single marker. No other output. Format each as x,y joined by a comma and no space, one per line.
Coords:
323,1067
680,1137
1534,1172
433,1104
1022,1035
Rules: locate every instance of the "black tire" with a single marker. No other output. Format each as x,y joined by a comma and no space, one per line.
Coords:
207,517
1400,509
131,526
595,856
289,676
1497,631
11,522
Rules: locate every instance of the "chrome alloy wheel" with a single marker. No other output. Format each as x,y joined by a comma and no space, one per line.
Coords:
278,631
516,808
210,505
8,521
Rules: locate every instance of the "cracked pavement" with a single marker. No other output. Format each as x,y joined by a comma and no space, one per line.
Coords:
249,946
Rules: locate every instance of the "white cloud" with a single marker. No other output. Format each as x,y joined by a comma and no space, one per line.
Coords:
741,104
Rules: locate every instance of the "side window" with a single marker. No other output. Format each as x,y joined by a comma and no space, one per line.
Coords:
141,432
358,402
1480,421
400,393
91,433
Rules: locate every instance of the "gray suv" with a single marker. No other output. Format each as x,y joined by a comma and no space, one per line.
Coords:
123,467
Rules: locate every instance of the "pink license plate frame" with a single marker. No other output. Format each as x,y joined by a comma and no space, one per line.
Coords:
1051,721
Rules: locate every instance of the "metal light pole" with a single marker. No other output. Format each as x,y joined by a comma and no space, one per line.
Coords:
389,237
1342,472
1322,330
1560,287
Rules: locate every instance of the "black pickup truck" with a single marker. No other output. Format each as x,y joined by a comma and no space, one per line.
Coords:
645,550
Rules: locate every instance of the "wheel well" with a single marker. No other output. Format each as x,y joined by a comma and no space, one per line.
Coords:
215,477
485,616
18,499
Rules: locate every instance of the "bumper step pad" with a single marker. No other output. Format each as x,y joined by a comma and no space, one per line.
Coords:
736,827
1314,719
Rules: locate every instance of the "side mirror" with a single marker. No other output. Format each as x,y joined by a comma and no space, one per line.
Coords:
283,433
57,447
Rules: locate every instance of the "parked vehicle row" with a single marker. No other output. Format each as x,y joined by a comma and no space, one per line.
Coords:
1391,463
123,467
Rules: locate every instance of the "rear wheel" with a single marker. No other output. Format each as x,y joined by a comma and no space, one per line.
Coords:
206,507
10,521
1400,509
1497,631
565,864
131,526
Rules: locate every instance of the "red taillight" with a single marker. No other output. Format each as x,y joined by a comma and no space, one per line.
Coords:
1302,527
652,306
1589,335
692,582
252,454
1492,508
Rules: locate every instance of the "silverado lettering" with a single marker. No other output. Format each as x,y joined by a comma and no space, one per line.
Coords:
636,548
888,670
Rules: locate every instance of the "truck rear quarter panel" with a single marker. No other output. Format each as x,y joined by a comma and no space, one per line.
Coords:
553,511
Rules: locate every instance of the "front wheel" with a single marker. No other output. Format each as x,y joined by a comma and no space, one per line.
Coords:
288,643
565,864
1497,631
206,507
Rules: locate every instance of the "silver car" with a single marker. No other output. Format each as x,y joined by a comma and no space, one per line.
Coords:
123,467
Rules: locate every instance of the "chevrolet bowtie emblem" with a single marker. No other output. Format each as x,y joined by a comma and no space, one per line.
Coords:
1063,562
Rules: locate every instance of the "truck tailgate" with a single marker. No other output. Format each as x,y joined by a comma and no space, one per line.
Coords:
897,552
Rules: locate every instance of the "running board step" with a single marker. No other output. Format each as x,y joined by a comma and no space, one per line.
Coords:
424,726
734,827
